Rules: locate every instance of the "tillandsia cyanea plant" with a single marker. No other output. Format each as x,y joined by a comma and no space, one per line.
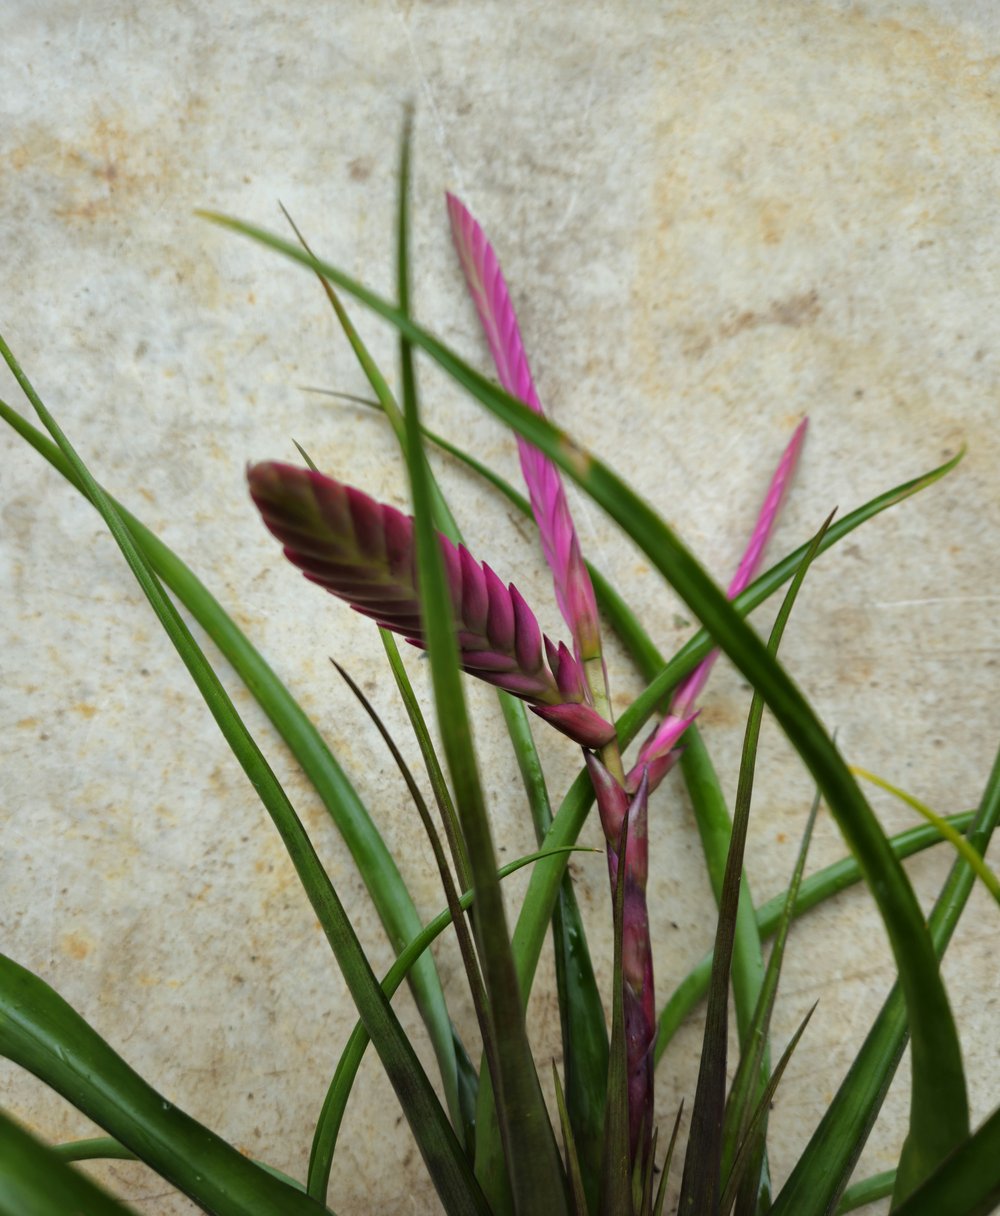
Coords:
485,1130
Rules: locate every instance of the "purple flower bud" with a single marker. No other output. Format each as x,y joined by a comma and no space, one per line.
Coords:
363,552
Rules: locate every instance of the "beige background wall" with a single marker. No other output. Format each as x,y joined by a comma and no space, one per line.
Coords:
715,218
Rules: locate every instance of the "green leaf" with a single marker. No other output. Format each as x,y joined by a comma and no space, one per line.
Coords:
967,1183
702,1181
752,1057
954,838
374,861
584,1032
580,1205
441,1152
335,1103
42,1033
534,1168
939,1110
825,1166
715,829
107,1148
466,947
755,1128
661,1190
584,1036
823,885
95,1148
35,1181
869,1190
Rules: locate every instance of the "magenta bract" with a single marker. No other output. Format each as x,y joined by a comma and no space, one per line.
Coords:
363,552
574,592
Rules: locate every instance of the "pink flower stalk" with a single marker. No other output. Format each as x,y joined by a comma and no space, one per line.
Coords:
657,752
575,596
574,592
364,552
638,994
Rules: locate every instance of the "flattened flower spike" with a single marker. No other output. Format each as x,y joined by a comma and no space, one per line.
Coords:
488,289
363,552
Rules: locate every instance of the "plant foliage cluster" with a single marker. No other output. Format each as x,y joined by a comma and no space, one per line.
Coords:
490,1142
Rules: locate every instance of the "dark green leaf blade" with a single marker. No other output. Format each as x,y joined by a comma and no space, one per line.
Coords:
824,884
755,1127
35,1181
335,1103
741,1093
375,863
534,1168
445,1161
967,1183
939,1110
828,1160
580,1205
860,1194
584,1032
702,1180
42,1033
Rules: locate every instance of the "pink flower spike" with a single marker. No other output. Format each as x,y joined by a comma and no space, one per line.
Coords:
689,689
363,552
574,592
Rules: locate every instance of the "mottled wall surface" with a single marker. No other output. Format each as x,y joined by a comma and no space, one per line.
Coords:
715,219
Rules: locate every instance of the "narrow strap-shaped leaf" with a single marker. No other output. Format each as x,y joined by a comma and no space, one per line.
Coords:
818,887
94,1148
580,1205
939,1110
869,1190
339,1091
825,1166
36,1181
755,1128
702,1180
441,1152
585,1041
585,1045
488,288
435,774
661,1191
466,947
581,1011
375,863
967,1183
533,1164
42,1033
982,871
715,831
753,1055
107,1148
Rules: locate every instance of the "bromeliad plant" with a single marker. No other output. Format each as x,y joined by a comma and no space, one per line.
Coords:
491,1147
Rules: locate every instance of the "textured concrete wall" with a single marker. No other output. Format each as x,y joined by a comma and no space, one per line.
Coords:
715,218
